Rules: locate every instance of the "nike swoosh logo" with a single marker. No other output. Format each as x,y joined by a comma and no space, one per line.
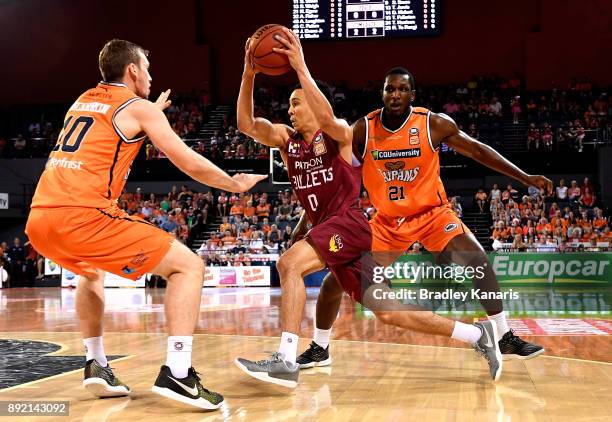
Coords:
488,343
191,390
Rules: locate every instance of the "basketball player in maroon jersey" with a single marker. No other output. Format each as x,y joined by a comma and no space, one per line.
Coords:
325,175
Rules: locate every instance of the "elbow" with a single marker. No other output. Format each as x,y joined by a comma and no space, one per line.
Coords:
245,125
242,125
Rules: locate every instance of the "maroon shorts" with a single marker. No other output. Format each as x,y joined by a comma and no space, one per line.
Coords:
342,241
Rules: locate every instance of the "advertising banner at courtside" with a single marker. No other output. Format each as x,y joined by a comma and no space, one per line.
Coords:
4,201
526,267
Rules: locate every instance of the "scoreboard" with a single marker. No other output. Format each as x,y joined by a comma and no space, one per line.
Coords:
358,19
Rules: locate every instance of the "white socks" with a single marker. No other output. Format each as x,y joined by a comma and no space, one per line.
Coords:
94,349
501,322
179,355
288,346
466,332
321,337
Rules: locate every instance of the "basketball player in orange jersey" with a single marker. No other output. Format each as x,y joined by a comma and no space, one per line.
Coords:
399,146
325,175
75,220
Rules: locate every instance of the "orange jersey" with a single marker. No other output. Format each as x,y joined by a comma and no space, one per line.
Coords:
92,158
401,169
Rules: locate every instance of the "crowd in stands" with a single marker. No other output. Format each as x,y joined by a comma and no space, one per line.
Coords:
257,227
20,264
571,219
565,120
558,119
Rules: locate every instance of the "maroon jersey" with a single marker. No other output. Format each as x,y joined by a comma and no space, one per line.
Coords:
323,181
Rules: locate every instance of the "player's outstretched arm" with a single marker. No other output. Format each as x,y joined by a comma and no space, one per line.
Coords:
151,120
444,129
258,128
337,129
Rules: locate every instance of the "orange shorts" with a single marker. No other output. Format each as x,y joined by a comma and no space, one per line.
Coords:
433,229
85,239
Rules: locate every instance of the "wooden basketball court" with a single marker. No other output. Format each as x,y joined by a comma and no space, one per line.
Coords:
379,373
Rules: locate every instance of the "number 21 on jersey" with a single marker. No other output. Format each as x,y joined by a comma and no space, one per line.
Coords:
396,193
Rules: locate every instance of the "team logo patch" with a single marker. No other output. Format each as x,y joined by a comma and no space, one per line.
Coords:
335,243
414,136
395,165
319,146
394,154
178,345
450,227
139,259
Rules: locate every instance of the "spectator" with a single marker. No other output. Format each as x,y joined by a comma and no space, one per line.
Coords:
495,107
287,234
495,193
284,211
239,248
533,137
237,210
518,245
481,199
516,109
170,225
241,260
509,193
587,199
263,208
249,210
573,193
495,209
17,258
275,234
222,203
561,191
256,244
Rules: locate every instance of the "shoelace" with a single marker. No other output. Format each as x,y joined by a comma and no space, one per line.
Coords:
273,357
515,339
198,379
482,353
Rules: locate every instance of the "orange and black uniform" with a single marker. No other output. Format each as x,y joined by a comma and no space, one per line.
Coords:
401,172
74,219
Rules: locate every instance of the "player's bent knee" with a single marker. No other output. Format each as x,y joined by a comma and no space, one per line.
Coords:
285,265
179,259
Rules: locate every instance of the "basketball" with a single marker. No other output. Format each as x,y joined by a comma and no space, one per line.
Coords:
263,57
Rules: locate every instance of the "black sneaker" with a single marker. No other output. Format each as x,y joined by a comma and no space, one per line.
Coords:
101,382
315,355
514,347
186,390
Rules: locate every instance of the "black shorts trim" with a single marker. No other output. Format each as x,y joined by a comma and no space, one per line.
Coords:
114,217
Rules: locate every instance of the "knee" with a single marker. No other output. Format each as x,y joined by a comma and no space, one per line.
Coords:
287,269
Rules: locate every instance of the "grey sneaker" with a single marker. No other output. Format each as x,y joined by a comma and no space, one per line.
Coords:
488,346
275,369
